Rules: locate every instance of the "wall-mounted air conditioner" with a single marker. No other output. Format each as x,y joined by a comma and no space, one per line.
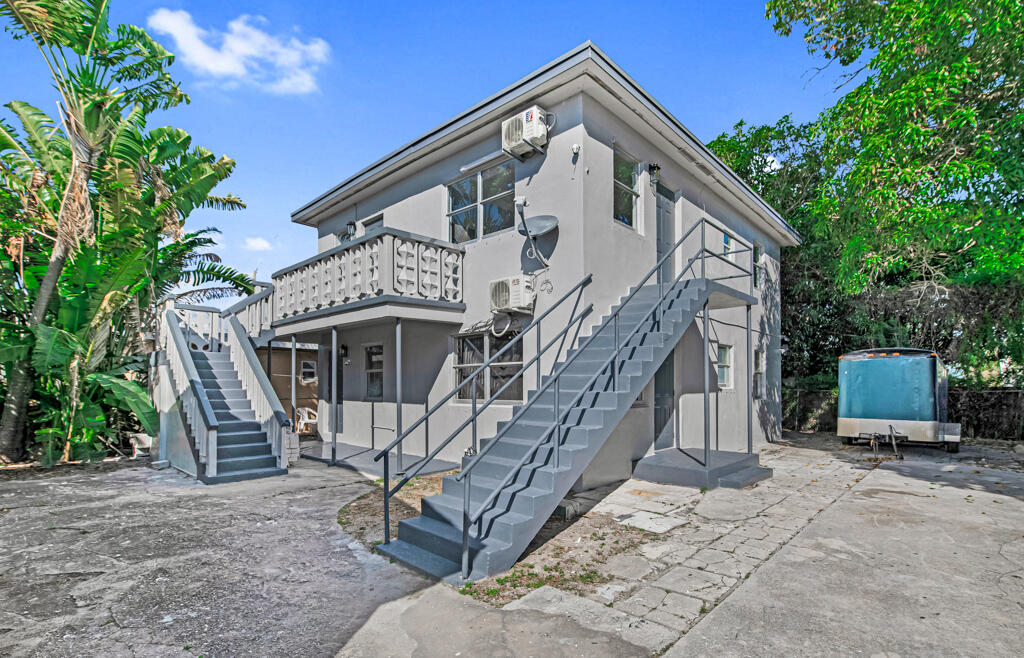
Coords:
513,294
525,133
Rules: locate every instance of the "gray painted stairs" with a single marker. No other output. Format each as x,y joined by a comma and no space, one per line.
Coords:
432,542
243,450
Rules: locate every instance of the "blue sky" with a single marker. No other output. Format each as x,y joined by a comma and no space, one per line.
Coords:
303,94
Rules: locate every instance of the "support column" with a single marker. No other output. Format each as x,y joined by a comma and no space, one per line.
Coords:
334,394
398,389
294,411
750,387
707,391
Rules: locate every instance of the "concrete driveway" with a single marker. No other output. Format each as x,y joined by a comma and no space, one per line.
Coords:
831,556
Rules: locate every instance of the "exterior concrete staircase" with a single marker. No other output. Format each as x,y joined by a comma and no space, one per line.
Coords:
244,451
433,542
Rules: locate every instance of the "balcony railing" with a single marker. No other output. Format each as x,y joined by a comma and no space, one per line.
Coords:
386,262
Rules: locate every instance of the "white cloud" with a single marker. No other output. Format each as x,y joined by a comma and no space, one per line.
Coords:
257,244
244,53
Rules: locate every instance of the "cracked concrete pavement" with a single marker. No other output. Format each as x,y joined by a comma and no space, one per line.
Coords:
831,556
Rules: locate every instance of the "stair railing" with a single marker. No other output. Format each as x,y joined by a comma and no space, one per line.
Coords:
265,403
189,391
655,316
575,320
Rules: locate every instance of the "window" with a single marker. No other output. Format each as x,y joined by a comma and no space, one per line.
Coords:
307,372
470,353
482,203
624,189
373,223
728,246
725,366
758,251
374,372
759,374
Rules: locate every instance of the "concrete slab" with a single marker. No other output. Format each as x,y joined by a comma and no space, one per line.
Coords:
360,459
685,468
441,622
599,618
913,561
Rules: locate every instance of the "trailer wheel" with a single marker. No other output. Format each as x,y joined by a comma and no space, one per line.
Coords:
952,446
847,440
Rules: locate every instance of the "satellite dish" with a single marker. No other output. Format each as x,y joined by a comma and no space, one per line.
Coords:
538,225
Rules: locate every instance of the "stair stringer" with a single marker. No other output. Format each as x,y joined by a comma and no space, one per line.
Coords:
510,524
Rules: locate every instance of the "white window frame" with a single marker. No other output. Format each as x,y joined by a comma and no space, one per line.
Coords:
727,246
480,201
758,273
760,368
305,366
618,185
463,369
726,363
367,371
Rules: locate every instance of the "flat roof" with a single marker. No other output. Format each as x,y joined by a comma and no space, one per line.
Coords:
582,54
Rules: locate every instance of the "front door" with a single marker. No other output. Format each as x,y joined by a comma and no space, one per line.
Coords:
664,403
666,230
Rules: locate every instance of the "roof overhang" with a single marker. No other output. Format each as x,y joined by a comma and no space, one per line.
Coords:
584,61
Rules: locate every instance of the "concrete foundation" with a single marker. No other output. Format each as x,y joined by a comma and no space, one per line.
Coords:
684,468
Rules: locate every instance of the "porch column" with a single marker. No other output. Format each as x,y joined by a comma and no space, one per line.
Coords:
294,411
750,387
398,388
707,392
334,394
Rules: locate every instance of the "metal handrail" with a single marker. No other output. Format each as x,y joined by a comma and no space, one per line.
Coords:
494,396
611,318
560,415
583,283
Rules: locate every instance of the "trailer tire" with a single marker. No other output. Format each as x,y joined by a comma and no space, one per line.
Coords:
952,446
847,441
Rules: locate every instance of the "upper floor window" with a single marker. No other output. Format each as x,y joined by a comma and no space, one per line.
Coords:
482,203
624,189
758,275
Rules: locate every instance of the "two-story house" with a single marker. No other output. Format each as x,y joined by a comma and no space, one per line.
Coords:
559,287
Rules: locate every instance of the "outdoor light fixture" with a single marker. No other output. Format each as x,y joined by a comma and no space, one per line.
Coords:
654,169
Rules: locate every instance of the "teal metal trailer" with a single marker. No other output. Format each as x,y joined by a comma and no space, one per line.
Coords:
898,391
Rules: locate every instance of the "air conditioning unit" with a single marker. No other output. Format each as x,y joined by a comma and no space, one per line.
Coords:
525,133
513,294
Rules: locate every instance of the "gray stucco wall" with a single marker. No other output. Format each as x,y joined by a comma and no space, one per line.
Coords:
577,188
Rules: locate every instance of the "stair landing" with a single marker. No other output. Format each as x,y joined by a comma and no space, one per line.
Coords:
683,467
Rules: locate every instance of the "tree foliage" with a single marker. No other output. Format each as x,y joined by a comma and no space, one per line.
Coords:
909,191
94,208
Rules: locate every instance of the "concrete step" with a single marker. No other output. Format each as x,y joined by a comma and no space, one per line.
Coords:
234,415
232,464
443,539
224,355
234,426
419,559
240,438
236,404
204,366
220,384
501,525
225,394
745,477
242,450
239,476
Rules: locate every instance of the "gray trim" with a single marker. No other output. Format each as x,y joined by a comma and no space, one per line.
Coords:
368,302
581,54
376,232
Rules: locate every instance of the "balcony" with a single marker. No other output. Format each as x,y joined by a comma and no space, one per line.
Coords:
386,266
